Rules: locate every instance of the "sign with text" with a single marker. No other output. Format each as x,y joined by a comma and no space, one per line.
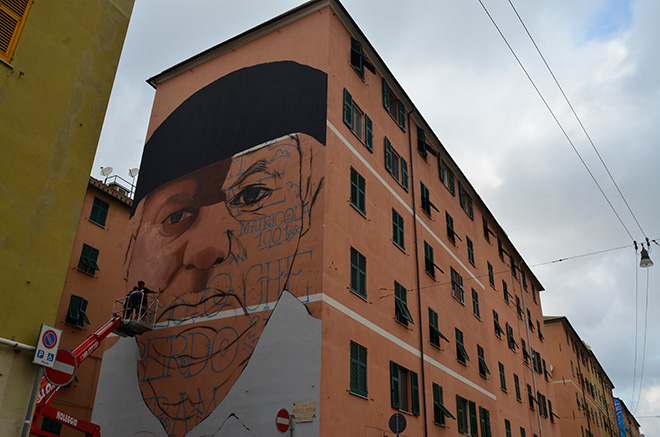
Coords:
304,411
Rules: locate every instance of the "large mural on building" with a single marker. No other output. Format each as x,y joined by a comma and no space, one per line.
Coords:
223,232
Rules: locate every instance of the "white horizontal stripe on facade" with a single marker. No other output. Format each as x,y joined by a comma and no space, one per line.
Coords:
405,205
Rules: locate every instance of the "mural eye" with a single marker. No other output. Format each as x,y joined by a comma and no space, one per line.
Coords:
177,216
250,195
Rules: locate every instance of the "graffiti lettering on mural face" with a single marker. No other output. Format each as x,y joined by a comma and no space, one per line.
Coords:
219,245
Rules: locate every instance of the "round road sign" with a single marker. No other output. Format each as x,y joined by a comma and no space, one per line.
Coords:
397,423
64,370
49,339
282,420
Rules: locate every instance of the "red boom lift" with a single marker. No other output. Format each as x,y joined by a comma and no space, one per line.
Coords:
143,321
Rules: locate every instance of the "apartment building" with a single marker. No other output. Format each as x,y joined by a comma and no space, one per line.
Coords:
582,387
318,251
628,425
57,61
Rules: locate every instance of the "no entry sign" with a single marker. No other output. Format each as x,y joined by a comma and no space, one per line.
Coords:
64,369
282,420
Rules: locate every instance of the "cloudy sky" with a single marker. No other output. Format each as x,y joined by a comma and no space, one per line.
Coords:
457,69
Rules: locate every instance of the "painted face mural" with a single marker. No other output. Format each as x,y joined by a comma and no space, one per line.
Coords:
221,229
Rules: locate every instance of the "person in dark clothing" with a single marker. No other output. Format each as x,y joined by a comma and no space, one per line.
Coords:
136,301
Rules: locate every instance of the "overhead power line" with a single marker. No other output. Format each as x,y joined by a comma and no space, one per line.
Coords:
556,119
577,118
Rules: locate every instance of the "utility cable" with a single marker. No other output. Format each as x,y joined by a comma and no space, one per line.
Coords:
556,119
646,318
577,117
581,256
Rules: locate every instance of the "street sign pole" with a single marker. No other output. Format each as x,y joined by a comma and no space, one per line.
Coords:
33,400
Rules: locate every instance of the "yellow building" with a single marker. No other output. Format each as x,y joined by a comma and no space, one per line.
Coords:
57,64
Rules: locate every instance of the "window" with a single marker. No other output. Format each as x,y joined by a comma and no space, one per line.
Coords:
461,353
358,191
401,313
536,360
434,333
483,368
358,59
465,200
487,231
429,264
88,258
76,315
99,212
404,389
505,289
509,335
538,327
522,432
524,349
534,293
466,416
491,275
543,406
359,123
398,236
13,15
529,320
572,368
457,286
475,304
450,228
530,397
394,106
507,427
470,249
358,273
516,383
396,165
484,416
426,199
519,308
500,249
502,376
358,369
446,176
439,410
496,322
551,413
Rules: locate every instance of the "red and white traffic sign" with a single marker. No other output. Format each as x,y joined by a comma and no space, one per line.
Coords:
282,420
64,369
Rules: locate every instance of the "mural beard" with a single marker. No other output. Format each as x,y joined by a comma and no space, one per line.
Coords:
219,245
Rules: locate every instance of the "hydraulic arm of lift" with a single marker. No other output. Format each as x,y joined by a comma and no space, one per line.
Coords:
143,322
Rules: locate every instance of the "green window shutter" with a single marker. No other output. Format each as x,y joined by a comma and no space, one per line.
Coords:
388,155
369,133
402,115
470,208
404,174
356,56
460,413
348,108
461,195
437,402
394,384
452,187
99,212
386,96
474,425
414,393
441,169
421,141
358,369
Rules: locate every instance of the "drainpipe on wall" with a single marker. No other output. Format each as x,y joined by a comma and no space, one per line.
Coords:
419,291
529,344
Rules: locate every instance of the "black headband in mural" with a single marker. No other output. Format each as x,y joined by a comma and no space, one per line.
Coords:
240,110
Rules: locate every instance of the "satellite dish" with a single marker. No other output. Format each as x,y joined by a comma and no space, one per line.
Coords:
106,170
133,172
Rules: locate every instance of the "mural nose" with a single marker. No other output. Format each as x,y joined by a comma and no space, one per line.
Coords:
208,243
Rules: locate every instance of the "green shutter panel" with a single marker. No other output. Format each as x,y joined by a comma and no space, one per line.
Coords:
348,108
369,133
404,174
386,95
414,393
474,430
459,413
388,155
402,115
394,384
356,56
461,194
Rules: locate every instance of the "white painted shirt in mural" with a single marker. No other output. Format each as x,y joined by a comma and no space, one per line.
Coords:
286,362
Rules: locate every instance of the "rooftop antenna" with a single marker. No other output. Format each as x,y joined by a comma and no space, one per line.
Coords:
132,173
105,171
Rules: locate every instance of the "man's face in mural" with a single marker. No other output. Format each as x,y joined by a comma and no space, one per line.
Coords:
218,245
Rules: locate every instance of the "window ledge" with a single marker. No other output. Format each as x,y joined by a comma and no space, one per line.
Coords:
97,224
87,273
363,214
358,295
399,247
6,64
351,392
430,276
405,325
